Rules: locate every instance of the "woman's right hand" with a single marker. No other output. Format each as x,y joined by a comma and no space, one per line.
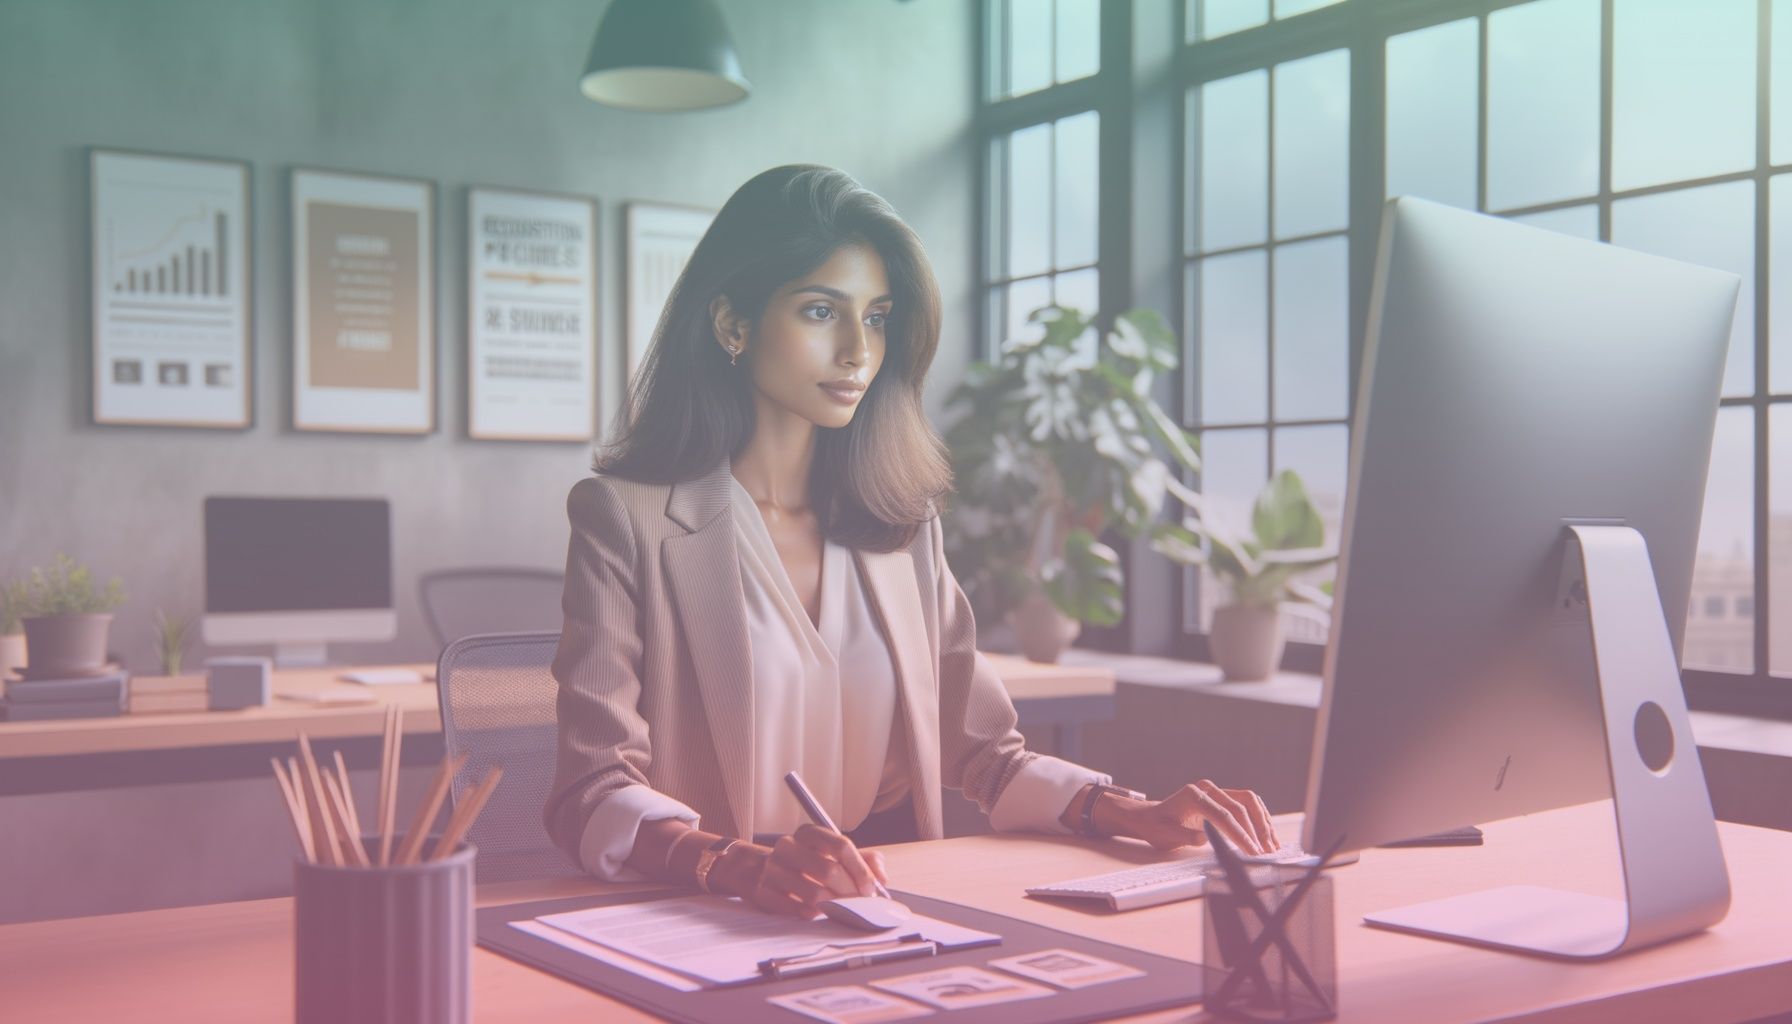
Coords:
802,869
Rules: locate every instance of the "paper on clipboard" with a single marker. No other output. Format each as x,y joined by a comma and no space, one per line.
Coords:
722,942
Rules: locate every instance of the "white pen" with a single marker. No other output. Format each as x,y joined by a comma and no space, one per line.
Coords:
820,817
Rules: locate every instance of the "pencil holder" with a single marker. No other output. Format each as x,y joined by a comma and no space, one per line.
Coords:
384,944
1274,948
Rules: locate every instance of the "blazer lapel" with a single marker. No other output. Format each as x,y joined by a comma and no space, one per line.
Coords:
896,600
703,571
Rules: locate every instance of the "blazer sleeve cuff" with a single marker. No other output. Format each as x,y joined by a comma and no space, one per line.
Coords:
609,836
1035,799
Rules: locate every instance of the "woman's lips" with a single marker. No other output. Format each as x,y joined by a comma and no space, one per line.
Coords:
843,395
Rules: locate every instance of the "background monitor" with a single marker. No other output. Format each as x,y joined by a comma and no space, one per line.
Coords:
298,573
1517,384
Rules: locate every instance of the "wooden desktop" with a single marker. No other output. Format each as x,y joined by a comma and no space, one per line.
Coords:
233,962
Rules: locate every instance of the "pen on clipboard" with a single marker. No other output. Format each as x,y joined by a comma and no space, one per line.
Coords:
820,817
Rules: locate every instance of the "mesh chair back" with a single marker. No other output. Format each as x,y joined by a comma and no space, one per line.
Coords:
498,707
462,602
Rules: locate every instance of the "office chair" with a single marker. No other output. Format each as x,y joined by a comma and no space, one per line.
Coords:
496,599
498,708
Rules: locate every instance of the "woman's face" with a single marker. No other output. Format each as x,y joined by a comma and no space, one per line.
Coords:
820,341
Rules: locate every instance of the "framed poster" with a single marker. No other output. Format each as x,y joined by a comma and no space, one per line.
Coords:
363,303
659,241
531,316
170,284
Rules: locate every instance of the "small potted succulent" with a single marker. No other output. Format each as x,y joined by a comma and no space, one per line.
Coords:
12,632
66,618
1059,440
1260,573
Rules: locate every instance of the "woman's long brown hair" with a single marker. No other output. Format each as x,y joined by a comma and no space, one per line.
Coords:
875,480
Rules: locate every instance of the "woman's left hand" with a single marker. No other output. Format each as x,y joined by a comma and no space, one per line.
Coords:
1175,821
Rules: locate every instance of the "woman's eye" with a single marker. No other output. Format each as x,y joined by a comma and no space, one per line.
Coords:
878,319
818,312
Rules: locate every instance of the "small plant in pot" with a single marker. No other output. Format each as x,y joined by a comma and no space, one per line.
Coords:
1260,573
12,631
66,618
1059,440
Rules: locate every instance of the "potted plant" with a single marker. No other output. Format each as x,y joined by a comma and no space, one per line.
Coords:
1060,440
65,618
12,633
1259,573
173,633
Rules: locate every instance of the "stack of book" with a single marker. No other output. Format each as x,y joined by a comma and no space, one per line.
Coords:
32,699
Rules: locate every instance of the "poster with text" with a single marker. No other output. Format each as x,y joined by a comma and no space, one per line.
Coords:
363,303
170,287
531,316
660,240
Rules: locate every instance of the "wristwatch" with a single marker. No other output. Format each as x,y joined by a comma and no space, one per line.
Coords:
707,860
1095,791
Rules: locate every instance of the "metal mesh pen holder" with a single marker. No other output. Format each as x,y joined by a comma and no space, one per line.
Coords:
1274,946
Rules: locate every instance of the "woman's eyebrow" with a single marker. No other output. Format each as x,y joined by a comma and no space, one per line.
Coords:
837,295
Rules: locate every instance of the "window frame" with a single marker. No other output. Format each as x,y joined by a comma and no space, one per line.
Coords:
1363,27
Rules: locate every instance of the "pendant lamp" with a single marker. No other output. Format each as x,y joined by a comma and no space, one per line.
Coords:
663,55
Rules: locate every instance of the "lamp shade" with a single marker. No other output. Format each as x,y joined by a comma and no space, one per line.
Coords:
663,55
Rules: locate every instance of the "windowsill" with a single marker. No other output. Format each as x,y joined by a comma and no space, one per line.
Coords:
1739,733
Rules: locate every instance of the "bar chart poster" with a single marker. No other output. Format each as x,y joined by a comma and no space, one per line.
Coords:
660,240
170,283
363,303
531,316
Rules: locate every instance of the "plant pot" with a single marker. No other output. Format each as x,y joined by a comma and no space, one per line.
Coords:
67,645
1247,641
12,653
1041,630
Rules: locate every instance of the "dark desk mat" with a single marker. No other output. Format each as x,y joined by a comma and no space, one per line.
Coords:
1167,983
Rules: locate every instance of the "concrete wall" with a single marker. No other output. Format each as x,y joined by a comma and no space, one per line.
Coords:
458,91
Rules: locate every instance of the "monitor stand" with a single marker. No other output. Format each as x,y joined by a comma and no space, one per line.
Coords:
301,655
1675,882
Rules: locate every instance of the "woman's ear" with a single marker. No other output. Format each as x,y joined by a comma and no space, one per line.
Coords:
730,330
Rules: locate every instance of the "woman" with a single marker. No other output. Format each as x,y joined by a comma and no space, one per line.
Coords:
756,584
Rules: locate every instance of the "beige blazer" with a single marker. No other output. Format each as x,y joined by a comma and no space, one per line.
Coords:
655,675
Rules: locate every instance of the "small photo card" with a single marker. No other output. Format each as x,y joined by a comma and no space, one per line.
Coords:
849,1004
955,988
1066,968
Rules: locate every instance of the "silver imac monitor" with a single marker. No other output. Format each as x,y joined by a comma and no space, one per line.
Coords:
298,573
1527,472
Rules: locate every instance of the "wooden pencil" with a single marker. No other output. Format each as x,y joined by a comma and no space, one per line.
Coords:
465,814
330,846
354,853
432,802
348,796
301,826
389,751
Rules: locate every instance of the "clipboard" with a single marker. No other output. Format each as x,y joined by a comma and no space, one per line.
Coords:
1166,984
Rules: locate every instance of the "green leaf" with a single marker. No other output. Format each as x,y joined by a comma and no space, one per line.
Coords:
1284,517
1086,583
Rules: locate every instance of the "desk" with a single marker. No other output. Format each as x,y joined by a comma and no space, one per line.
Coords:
233,962
1060,696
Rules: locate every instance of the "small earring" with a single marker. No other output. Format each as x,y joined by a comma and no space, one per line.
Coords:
733,356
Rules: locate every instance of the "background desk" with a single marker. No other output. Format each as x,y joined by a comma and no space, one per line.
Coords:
233,962
166,809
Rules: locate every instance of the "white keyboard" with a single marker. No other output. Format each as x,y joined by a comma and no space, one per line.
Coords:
1167,882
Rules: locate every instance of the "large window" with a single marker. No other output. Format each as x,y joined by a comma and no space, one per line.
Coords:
1658,125
1043,221
1267,291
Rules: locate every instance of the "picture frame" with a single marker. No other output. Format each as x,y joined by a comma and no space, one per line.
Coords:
171,288
364,344
658,241
532,329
